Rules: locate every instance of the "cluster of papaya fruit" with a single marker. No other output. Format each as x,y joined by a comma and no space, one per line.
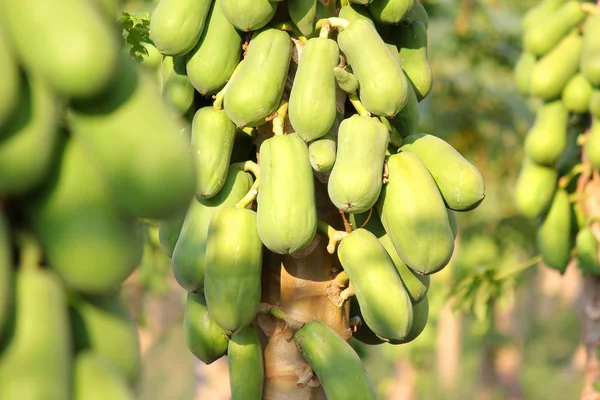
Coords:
559,70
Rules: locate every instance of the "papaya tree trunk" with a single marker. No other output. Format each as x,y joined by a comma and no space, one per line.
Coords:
591,335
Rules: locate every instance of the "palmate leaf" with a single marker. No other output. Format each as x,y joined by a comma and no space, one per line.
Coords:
136,30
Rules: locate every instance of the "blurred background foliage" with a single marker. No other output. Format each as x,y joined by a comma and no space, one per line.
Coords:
501,326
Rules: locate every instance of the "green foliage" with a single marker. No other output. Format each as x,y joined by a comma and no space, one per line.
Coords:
136,29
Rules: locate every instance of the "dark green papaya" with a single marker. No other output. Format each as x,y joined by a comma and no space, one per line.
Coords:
589,63
592,144
302,14
246,365
312,108
321,153
356,178
406,121
540,12
177,89
6,275
94,378
523,72
255,92
203,337
168,233
554,233
459,181
390,11
10,84
411,40
594,103
287,211
363,334
383,86
420,313
587,251
534,189
413,213
417,13
188,259
336,364
232,281
547,138
354,11
576,94
248,15
346,80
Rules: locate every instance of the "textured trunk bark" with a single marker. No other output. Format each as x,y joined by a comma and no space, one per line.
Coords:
591,336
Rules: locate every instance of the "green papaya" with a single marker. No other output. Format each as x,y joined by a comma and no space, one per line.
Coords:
96,379
453,222
383,86
32,130
576,94
10,84
211,63
254,93
363,334
459,181
336,364
176,25
203,337
177,89
153,59
110,8
246,365
356,178
594,103
390,11
411,40
43,36
523,72
346,80
6,274
287,218
168,233
312,108
406,121
554,233
592,144
420,312
552,72
534,189
302,14
188,259
156,180
321,153
540,12
91,245
589,63
248,15
98,323
419,228
354,11
36,360
417,13
547,138
232,281
587,251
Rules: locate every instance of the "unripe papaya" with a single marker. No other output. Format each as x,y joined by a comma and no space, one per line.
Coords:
390,11
336,364
420,313
176,25
523,72
177,89
383,86
168,233
459,181
411,40
417,13
10,84
594,103
188,260
232,281
153,59
354,11
540,12
32,130
246,365
576,94
419,228
6,275
406,121
302,14
346,80
363,334
248,15
554,233
590,54
321,153
312,107
592,144
356,178
110,8
453,222
254,93
287,211
94,378
547,138
587,251
535,187
203,337
36,360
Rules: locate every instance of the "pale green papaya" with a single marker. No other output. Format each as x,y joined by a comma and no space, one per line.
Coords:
312,108
254,93
587,251
153,59
168,233
94,378
459,181
346,80
203,337
417,13
232,281
523,72
10,84
356,178
177,90
540,12
383,86
354,11
321,153
303,13
576,94
414,215
589,63
246,365
6,274
336,364
453,222
411,40
592,144
287,211
406,121
554,233
110,8
534,189
248,15
420,312
188,259
390,11
363,334
36,360
594,103
43,36
547,138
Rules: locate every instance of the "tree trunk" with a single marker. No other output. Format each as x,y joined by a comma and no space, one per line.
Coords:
448,347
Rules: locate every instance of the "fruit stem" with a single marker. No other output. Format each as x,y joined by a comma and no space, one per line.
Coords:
284,26
352,222
348,292
341,280
30,251
590,8
250,196
564,181
218,103
335,22
362,111
368,218
344,3
248,166
269,309
249,131
334,235
279,119
325,29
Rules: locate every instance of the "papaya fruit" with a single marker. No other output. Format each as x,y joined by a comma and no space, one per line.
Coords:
177,89
417,13
188,259
383,86
248,15
354,11
254,93
540,12
552,72
554,233
453,222
303,13
287,219
547,138
420,312
576,94
572,154
36,360
176,25
246,365
535,187
390,11
406,121
419,228
91,245
168,233
97,323
346,80
594,103
587,251
589,63
39,32
10,85
523,72
356,178
156,180
336,364
95,379
370,269
31,130
321,153
110,8
459,181
232,281
153,59
592,144
411,40
6,274
203,337
363,334
312,108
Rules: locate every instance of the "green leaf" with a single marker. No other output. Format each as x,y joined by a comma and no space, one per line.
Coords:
136,30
